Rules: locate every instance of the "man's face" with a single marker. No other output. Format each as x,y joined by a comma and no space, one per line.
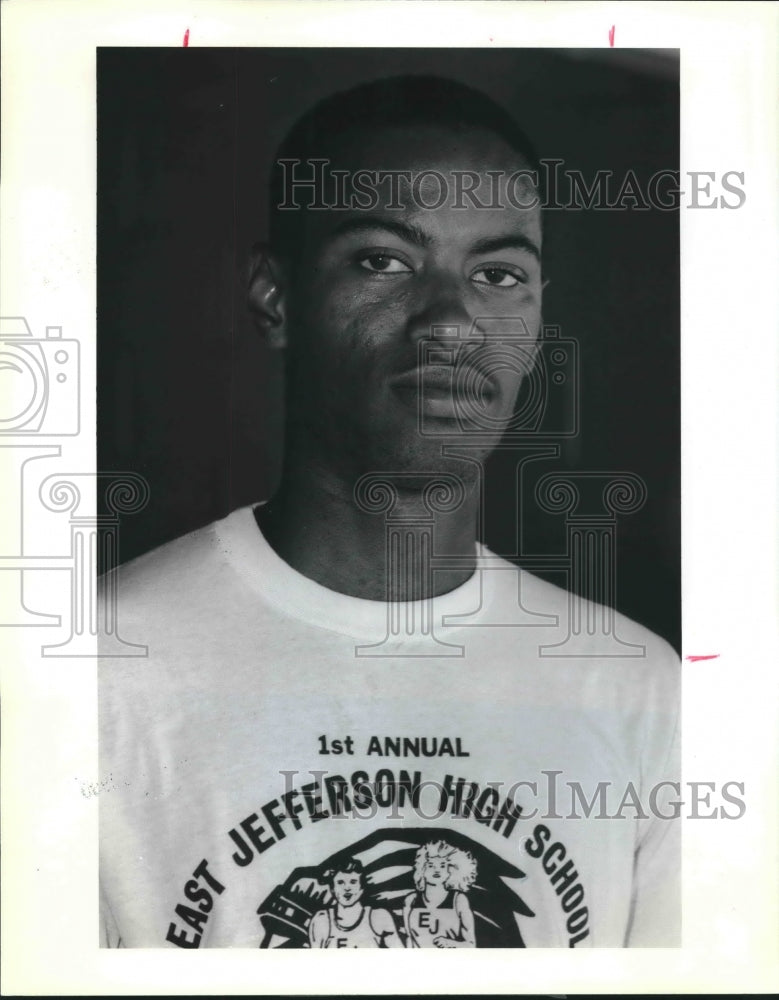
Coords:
347,888
371,285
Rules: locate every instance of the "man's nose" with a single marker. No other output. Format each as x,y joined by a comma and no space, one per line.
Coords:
441,313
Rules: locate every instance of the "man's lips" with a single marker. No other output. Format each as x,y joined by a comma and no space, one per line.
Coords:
439,382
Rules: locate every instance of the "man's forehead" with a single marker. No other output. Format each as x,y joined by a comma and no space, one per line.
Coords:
430,210
413,146
420,175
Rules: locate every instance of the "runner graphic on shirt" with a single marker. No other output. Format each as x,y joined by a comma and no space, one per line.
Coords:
438,914
482,890
348,923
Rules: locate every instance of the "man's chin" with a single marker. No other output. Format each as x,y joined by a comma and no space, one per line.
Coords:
417,466
382,449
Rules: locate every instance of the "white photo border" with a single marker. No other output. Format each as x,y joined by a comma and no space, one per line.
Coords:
729,420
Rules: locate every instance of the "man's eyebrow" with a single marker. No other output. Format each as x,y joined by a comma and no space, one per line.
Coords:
405,230
415,234
512,241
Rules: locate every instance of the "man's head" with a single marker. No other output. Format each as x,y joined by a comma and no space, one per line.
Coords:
405,284
346,882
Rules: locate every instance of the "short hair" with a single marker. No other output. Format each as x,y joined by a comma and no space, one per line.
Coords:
346,868
404,101
461,864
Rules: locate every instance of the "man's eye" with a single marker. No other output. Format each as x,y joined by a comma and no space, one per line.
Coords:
498,277
382,263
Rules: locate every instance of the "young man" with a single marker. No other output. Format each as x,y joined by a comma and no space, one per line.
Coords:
346,661
348,922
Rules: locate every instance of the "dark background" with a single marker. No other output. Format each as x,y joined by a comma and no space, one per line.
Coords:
190,398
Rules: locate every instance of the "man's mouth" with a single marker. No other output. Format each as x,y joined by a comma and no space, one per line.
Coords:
445,390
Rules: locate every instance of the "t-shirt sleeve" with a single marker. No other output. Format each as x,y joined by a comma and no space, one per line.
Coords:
655,915
109,932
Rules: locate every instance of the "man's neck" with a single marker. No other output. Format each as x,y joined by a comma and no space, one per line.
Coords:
377,547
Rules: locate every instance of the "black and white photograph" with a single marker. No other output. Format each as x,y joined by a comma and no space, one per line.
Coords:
393,338
388,427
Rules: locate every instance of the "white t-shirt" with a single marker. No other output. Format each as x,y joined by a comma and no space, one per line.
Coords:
475,772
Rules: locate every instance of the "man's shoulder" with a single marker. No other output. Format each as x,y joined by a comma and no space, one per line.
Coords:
599,631
173,601
193,568
165,570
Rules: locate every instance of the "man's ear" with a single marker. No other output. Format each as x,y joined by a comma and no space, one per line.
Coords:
266,295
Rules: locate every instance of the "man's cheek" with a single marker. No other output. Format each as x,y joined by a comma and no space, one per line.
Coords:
385,304
366,326
510,383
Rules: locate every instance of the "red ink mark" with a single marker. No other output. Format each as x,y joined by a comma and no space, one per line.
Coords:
694,659
611,36
186,38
